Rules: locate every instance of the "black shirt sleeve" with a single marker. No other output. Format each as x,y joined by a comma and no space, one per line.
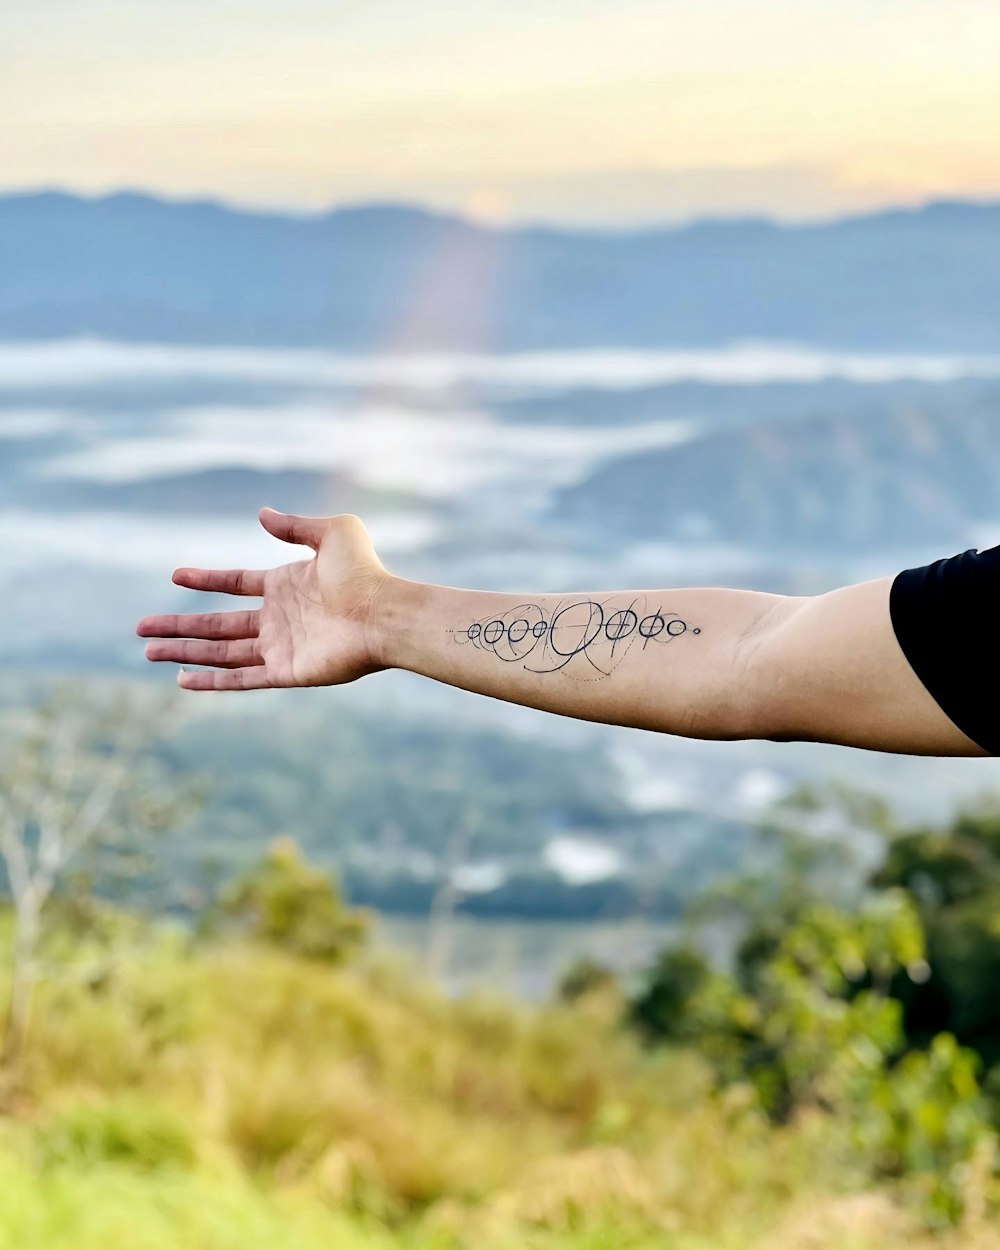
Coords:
944,616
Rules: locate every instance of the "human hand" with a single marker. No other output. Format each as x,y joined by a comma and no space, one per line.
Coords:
314,626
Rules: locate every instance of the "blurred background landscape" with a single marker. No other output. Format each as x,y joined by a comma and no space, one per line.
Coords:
553,302
738,403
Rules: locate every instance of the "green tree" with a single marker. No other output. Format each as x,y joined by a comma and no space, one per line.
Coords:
953,876
286,902
662,1004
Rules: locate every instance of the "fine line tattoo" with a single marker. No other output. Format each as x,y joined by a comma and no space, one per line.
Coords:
591,631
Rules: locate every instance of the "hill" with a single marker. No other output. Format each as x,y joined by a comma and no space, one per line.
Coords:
133,267
881,476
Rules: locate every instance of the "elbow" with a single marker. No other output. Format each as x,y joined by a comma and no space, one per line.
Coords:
749,698
767,708
758,706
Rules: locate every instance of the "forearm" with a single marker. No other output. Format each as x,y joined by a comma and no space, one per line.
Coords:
706,663
670,660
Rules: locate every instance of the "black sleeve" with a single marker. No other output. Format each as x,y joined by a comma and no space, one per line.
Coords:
945,619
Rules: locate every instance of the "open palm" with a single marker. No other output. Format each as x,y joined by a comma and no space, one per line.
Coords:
313,627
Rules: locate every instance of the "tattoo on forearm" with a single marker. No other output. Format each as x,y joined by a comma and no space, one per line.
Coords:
588,631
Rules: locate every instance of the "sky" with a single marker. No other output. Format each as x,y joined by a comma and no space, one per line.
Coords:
570,111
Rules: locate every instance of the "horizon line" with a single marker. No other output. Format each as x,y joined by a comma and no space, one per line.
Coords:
709,218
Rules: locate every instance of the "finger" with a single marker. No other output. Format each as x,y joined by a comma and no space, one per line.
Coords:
225,679
201,625
306,531
224,581
236,654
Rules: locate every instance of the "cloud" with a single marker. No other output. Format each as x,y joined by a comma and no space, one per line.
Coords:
74,363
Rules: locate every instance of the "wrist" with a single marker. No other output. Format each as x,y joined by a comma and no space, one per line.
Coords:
393,612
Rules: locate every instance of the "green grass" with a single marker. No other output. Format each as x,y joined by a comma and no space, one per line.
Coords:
119,1208
235,1097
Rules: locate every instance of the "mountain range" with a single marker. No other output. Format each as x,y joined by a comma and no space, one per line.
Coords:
896,469
387,277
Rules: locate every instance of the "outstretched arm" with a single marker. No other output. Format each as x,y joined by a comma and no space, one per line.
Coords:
703,663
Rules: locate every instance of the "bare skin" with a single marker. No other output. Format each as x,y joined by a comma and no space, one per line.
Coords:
313,625
700,662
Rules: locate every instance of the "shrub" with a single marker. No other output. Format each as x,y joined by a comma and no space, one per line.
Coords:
288,903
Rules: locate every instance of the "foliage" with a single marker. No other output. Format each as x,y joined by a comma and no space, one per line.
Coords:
224,1093
925,1119
953,875
662,1007
585,977
810,1022
278,1083
290,904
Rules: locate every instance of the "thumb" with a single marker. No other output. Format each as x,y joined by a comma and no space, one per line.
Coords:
305,531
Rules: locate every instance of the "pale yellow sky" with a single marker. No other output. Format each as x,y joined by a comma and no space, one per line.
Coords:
567,110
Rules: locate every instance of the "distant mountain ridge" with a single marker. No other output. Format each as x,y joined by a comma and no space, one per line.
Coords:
889,474
134,267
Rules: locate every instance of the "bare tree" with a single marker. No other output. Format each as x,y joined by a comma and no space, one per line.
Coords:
74,785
